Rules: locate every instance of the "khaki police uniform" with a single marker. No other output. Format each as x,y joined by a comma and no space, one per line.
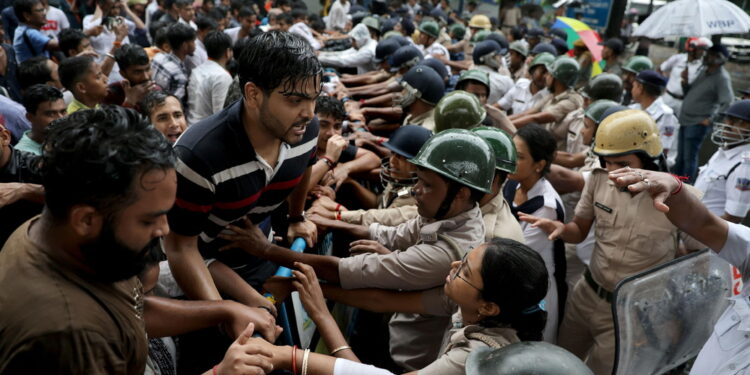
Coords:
460,340
574,142
631,236
420,260
425,120
560,106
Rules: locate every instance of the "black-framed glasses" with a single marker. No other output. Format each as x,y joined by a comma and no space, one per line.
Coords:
457,273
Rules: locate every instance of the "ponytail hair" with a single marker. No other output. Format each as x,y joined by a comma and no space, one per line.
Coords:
516,279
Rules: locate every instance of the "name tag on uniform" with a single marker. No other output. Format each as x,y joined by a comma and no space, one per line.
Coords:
603,207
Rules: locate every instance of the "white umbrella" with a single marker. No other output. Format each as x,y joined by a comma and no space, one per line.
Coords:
695,18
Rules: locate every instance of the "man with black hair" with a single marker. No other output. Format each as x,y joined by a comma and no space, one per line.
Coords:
136,70
647,89
246,161
73,41
43,104
210,82
301,28
337,157
28,40
204,26
186,12
73,303
82,76
169,69
165,113
247,19
38,70
284,22
116,31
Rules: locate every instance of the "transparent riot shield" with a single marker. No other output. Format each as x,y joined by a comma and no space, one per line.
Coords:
663,316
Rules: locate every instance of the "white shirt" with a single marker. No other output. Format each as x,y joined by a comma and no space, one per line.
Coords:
102,43
669,127
727,351
301,29
722,193
675,65
233,33
520,99
499,84
436,49
152,7
191,23
538,240
56,22
208,86
337,15
361,58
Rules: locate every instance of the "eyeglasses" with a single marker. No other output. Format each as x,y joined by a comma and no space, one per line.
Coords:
457,273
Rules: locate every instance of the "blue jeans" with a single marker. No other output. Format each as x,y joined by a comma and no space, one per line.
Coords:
688,144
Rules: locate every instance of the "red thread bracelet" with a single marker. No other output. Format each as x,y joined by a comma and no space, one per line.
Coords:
338,207
338,215
679,188
331,164
214,370
294,360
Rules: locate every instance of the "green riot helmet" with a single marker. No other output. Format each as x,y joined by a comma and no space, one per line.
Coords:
604,86
392,33
458,110
458,31
480,35
430,28
524,358
520,47
475,75
565,70
460,156
637,64
544,58
596,110
503,146
372,23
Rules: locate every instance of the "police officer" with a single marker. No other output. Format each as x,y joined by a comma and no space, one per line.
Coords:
456,170
725,179
632,67
530,91
458,110
604,86
422,88
404,59
562,75
523,358
647,89
429,32
476,82
630,235
534,37
487,56
518,51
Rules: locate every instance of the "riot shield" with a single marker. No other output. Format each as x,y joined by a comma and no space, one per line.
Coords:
663,316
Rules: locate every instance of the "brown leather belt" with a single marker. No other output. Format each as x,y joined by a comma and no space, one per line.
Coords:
598,289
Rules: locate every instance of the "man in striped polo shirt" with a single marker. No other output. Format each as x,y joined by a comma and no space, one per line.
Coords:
246,161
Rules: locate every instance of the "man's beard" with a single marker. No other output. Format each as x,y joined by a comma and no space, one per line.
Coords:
275,127
114,261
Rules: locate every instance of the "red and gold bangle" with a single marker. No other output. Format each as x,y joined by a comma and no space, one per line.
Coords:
294,360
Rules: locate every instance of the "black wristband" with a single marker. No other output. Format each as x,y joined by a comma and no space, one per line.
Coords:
295,219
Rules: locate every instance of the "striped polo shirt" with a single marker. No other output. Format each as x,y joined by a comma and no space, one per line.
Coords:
220,178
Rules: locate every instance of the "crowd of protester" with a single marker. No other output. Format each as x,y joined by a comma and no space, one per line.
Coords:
461,182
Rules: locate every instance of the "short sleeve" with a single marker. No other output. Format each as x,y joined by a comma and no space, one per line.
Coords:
585,207
506,101
38,39
736,249
561,108
195,195
738,192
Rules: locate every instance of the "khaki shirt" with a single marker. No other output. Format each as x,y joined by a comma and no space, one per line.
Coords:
420,260
574,143
499,221
55,320
425,120
631,235
460,340
560,106
397,206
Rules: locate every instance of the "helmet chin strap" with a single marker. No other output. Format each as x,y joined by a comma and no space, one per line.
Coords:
453,188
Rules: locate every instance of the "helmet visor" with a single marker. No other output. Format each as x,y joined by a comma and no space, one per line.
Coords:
725,135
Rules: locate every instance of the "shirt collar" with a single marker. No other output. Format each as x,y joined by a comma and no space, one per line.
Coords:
734,151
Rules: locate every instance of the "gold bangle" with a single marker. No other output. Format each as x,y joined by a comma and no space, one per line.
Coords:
340,348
